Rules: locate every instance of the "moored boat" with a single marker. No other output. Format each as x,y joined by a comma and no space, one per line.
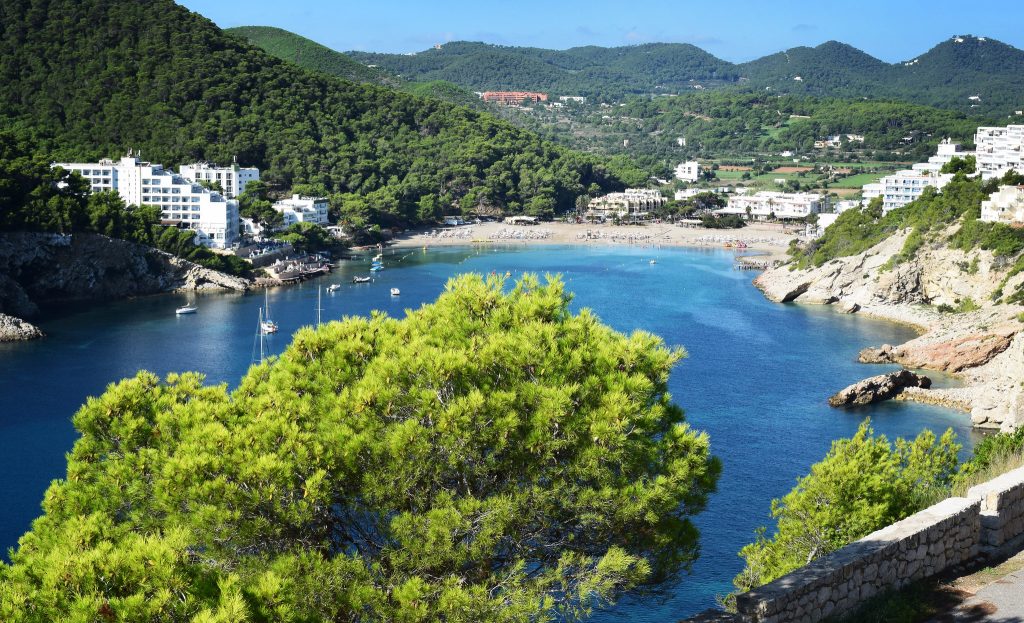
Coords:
186,309
361,279
334,287
395,291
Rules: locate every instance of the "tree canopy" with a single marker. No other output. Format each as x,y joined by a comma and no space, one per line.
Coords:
92,78
490,457
863,484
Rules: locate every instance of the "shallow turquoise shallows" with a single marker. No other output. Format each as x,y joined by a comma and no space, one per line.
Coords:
756,379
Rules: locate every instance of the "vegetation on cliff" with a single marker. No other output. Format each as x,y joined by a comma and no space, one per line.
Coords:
491,457
864,483
959,201
89,79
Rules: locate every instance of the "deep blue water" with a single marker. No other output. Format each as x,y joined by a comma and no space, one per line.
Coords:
756,378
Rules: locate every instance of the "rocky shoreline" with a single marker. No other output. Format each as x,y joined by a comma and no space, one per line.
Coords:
983,347
38,270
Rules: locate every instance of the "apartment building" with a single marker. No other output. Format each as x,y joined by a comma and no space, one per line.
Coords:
688,171
766,205
182,202
999,150
303,210
231,179
1005,206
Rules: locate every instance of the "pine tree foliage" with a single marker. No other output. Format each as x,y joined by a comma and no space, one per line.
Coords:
490,457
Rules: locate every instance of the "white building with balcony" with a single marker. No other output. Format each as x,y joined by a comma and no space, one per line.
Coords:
902,187
688,171
232,179
999,150
634,203
767,205
303,210
182,202
1005,206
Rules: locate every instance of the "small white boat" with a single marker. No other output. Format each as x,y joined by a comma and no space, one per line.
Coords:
187,309
358,279
334,287
654,261
395,291
267,325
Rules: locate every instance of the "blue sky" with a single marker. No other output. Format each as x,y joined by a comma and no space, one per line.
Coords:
735,30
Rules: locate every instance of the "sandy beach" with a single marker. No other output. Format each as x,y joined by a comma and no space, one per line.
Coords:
767,239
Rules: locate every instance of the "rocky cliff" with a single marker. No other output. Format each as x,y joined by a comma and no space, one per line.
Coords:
37,270
983,344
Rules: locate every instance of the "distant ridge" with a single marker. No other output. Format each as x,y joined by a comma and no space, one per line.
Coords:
948,75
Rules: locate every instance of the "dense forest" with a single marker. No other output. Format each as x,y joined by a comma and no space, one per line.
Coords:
948,76
90,79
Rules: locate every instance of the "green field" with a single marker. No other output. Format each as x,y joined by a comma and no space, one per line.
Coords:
856,181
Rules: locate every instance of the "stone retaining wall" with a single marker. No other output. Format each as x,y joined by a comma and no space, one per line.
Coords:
952,532
1002,509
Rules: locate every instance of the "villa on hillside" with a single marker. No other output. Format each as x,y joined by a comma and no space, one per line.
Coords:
767,205
302,210
231,179
1005,206
688,171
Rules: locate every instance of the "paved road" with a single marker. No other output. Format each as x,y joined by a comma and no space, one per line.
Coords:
1001,601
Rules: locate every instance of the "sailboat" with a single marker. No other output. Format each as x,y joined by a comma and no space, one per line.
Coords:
188,308
267,325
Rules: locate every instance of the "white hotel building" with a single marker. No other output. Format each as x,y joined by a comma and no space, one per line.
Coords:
303,210
765,205
232,179
902,187
213,217
1005,206
999,150
688,171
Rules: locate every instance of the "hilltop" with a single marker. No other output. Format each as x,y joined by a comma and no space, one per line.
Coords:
90,79
948,75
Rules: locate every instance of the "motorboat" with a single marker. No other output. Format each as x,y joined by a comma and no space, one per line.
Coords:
186,309
653,262
361,279
395,291
376,268
334,287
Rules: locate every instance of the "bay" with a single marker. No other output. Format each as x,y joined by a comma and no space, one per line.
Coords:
756,377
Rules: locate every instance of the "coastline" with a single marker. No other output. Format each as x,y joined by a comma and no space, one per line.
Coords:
769,241
983,347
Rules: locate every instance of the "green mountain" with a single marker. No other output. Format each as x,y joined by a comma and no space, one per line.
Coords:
306,53
946,76
587,70
84,79
309,54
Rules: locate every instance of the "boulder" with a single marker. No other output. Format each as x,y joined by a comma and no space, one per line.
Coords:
878,388
849,308
16,330
882,354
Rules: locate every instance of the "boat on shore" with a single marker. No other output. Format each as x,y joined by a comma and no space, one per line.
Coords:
186,309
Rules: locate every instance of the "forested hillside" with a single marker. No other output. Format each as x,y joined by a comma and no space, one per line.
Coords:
92,78
591,70
947,76
294,48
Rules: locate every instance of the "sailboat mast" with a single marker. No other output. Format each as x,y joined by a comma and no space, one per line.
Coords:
259,329
318,309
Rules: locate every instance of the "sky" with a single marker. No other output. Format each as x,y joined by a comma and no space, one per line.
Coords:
734,30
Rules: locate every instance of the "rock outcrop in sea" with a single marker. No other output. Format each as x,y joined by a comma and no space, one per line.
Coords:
16,330
39,270
878,388
983,346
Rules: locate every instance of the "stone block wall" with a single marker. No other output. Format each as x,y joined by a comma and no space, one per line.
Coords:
917,547
1002,509
990,520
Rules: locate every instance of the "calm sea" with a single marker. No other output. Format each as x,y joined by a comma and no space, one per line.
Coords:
756,378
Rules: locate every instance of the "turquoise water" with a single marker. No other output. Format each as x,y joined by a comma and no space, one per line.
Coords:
756,378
